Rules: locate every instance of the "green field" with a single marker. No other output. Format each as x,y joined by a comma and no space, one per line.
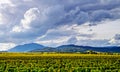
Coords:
58,62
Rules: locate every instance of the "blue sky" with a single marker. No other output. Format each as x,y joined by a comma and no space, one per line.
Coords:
58,22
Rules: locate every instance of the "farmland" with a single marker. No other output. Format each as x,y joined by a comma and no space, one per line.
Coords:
59,62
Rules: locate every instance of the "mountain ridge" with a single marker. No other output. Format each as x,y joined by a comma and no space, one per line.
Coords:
76,48
25,47
34,47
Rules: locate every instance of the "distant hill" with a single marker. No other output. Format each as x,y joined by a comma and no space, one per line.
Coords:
46,49
33,47
26,47
76,48
2,51
71,48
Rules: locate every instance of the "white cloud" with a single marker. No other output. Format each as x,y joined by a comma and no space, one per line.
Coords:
53,42
115,40
1,18
27,0
6,46
23,21
72,40
17,29
100,33
65,35
31,15
5,1
40,18
106,29
94,43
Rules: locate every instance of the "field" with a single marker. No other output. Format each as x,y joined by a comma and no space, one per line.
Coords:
58,62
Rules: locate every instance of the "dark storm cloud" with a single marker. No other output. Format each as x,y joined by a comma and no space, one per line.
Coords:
42,15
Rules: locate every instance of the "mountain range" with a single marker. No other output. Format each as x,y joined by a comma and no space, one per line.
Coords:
26,47
34,47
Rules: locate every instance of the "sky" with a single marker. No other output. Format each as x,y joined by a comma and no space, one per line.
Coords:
59,22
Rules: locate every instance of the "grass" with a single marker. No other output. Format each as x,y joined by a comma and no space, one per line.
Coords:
59,62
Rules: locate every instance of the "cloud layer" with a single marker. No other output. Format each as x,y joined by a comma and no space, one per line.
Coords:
66,21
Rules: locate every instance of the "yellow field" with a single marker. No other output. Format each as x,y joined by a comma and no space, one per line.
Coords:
55,54
59,62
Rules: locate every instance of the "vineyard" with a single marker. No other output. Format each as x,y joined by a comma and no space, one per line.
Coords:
58,62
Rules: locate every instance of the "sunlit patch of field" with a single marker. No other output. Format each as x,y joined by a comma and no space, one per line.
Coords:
59,62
